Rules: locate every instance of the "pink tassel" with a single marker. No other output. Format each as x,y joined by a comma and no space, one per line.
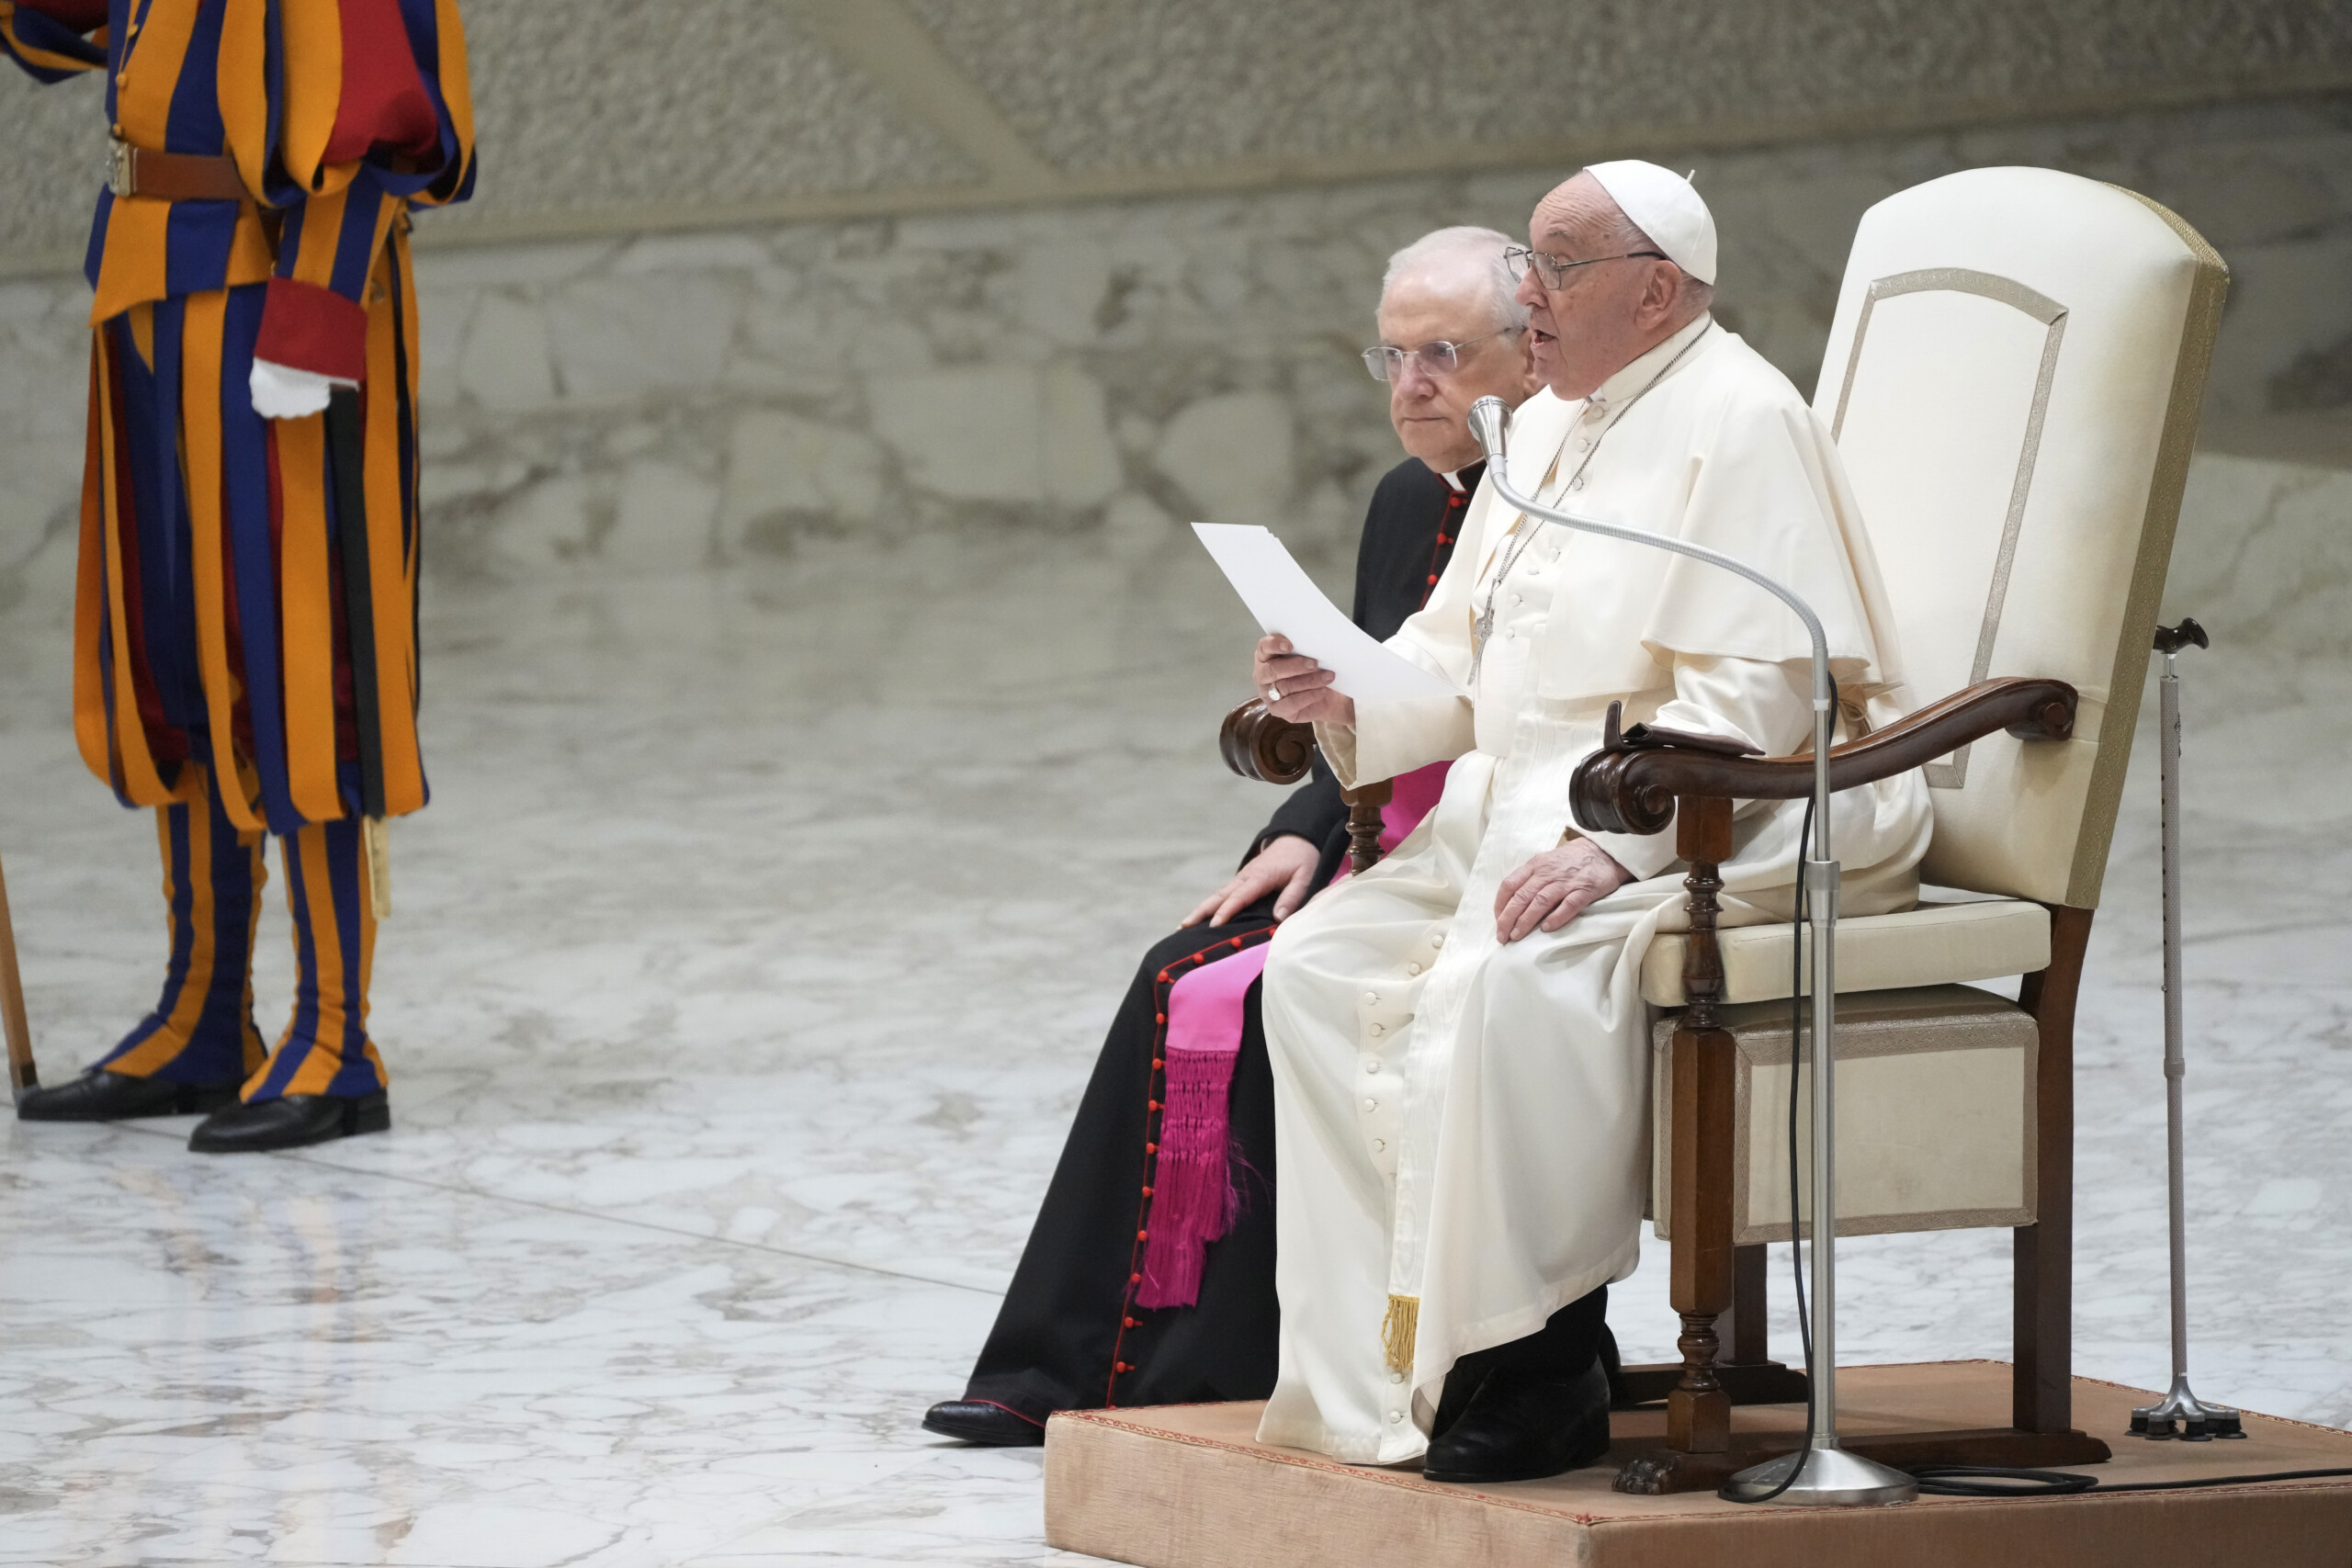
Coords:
1194,1200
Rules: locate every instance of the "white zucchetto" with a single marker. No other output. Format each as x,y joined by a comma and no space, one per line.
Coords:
1663,205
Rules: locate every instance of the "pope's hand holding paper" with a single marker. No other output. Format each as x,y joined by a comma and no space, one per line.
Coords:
1311,647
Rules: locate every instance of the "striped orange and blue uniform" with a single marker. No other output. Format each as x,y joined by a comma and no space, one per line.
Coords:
213,673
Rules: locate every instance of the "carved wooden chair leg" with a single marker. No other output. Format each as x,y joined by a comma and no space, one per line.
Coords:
1697,1413
1704,1068
1747,1369
1364,821
1744,1365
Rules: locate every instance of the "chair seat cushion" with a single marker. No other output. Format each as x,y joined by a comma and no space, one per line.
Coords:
1933,944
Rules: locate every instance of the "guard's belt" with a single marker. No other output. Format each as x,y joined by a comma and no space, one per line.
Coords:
173,176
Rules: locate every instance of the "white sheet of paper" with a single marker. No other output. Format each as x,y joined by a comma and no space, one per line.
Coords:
1285,600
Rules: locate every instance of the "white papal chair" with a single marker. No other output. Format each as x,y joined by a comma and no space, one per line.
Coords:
2013,377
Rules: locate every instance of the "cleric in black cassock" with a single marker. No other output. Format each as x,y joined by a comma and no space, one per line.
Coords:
1072,1334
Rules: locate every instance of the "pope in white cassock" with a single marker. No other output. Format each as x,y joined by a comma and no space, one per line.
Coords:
1460,1046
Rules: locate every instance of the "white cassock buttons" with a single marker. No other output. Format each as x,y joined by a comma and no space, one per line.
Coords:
1372,1105
1412,968
1378,1030
1576,483
1438,941
1372,999
1584,443
1371,1064
1396,1417
1395,1376
1380,1144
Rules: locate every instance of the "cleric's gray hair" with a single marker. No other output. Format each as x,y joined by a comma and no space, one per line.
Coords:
1468,259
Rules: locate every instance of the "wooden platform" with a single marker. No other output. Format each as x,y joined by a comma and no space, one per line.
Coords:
1188,1487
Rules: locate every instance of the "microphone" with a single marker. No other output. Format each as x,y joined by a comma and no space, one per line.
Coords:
1489,421
1822,1472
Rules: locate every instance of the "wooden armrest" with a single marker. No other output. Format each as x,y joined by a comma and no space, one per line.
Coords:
1630,788
1257,745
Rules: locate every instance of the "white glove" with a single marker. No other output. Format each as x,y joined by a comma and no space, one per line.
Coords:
281,391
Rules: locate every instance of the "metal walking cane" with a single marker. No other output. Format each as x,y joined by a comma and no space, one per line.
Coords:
2180,1414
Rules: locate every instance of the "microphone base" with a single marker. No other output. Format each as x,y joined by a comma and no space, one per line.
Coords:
1826,1478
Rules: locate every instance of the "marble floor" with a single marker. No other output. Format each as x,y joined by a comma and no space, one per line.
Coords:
742,979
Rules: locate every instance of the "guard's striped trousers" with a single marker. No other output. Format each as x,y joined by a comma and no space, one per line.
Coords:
202,1029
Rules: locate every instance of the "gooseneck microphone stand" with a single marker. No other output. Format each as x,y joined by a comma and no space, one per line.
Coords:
1822,1472
2180,1414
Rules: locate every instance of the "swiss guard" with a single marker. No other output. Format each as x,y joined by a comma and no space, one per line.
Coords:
246,656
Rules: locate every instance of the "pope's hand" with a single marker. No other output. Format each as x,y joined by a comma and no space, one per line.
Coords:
1555,888
1297,688
1288,864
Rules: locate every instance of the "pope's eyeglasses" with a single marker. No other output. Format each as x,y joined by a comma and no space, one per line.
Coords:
1440,358
1519,258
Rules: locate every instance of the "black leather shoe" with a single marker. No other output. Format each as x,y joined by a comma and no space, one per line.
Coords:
976,1421
102,1096
1523,1427
290,1123
1612,1367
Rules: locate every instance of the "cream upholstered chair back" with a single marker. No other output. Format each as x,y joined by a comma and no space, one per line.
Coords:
2064,328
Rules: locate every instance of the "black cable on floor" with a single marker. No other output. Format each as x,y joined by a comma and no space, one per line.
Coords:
1992,1481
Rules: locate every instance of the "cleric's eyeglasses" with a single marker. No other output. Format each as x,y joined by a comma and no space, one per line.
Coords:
1519,258
1435,359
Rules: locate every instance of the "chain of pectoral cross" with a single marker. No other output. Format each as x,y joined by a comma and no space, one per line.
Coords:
1523,532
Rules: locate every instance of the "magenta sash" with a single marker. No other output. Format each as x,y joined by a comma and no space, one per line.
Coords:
1194,1199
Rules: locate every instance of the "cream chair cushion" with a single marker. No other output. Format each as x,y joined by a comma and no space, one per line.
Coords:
1933,944
1935,1115
2012,377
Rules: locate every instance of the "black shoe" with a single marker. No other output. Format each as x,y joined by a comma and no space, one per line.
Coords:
99,1095
290,1123
1612,1367
1523,1427
976,1421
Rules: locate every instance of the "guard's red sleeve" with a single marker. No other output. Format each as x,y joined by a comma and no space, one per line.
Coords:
383,105
45,36
82,16
315,328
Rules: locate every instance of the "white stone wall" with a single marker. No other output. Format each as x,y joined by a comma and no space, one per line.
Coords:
1110,370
